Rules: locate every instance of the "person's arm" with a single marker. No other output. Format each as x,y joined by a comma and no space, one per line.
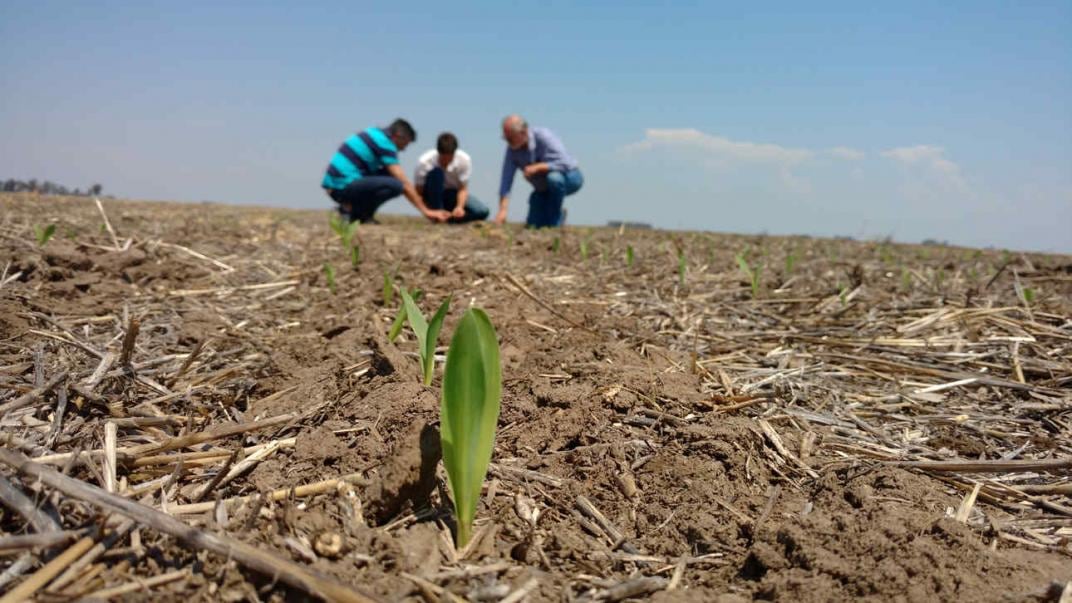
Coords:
463,196
505,183
435,215
504,204
554,156
464,171
534,169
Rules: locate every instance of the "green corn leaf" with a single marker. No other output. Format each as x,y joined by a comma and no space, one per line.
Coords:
428,351
743,265
388,287
355,256
337,223
472,389
629,256
396,326
416,319
329,274
44,234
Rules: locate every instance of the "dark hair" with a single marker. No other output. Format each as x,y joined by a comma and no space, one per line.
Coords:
447,143
401,127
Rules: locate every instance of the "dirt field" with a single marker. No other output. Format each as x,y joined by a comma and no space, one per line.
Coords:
876,422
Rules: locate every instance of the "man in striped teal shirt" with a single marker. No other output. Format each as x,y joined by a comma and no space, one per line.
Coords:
364,173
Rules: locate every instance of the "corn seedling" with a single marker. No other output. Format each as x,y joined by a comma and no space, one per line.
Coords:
884,254
329,274
843,294
939,279
472,388
44,234
751,272
344,228
355,255
388,287
1028,295
629,256
584,249
427,332
400,318
790,262
555,245
1025,294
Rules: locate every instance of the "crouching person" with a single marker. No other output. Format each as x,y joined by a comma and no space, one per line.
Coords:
442,179
364,173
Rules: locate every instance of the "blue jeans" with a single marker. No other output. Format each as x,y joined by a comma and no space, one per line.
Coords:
360,200
436,196
545,202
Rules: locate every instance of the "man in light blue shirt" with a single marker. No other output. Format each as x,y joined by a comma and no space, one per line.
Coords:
546,164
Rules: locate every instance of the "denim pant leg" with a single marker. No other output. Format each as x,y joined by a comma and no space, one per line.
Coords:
474,209
433,189
545,206
366,195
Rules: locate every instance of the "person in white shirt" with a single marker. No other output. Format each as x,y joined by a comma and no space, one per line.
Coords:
442,180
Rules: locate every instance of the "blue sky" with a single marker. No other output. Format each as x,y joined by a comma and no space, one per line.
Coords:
950,121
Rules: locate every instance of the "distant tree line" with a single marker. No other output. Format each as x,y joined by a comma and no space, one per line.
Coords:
47,187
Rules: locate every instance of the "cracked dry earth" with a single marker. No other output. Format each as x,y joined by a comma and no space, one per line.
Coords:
663,436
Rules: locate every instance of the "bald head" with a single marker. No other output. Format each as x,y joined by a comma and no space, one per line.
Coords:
515,131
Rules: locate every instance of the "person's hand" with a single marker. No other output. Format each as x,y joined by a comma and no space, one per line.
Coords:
458,212
500,218
531,170
437,215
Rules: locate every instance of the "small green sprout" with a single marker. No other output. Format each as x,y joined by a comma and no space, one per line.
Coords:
44,234
790,262
906,279
400,318
344,228
472,391
388,287
427,332
584,249
1026,294
752,272
555,245
629,256
355,255
843,294
939,278
329,274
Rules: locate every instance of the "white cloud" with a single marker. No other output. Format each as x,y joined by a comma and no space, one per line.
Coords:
846,153
924,154
719,147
